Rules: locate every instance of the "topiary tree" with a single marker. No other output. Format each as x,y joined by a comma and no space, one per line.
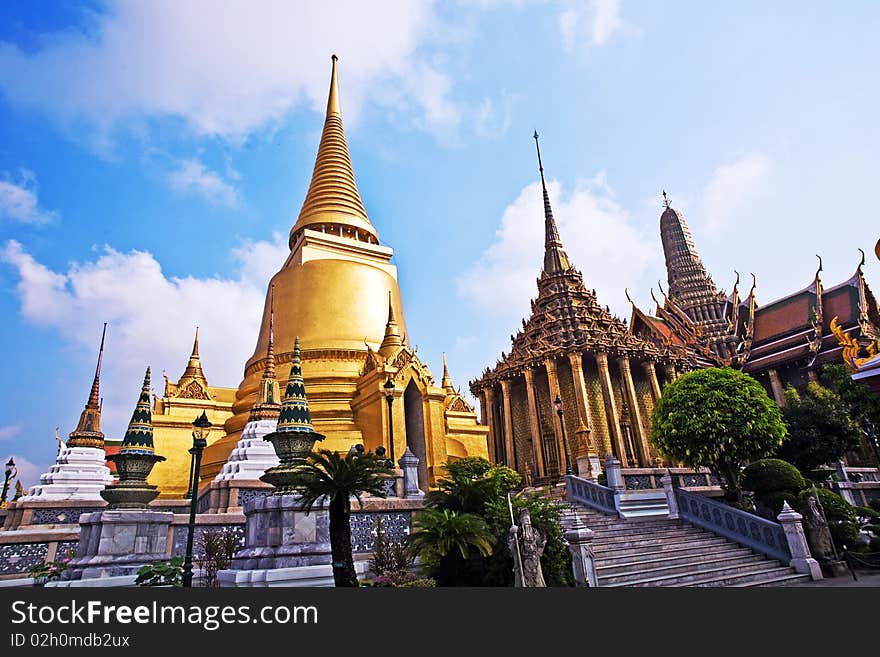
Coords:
820,430
773,481
863,405
720,418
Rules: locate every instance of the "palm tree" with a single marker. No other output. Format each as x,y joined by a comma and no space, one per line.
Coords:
327,475
451,536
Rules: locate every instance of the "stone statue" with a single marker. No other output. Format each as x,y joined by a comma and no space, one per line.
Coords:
527,559
818,534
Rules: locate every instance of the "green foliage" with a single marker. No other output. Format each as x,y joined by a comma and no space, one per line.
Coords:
874,504
720,418
471,483
820,430
454,542
771,476
161,574
835,507
327,475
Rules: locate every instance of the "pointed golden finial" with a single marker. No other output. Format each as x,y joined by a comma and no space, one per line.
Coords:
269,372
193,369
392,340
446,382
96,383
333,100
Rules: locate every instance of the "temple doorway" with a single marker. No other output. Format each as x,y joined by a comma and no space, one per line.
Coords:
414,416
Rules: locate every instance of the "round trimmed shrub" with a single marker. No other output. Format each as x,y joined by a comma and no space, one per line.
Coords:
773,501
772,476
836,508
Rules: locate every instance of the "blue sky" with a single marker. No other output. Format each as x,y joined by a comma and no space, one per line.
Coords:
153,157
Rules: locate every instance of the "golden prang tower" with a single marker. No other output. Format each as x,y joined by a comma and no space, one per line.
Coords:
338,292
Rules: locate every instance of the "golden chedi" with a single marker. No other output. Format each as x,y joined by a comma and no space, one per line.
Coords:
338,292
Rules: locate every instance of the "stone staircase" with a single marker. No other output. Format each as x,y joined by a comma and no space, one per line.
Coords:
653,551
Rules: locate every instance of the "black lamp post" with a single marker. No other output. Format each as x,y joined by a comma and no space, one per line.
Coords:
201,428
10,473
558,404
389,397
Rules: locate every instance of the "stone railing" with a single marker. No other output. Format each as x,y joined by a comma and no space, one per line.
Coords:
745,528
591,494
649,478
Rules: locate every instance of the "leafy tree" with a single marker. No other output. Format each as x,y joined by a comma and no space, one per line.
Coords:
820,430
720,418
470,484
863,405
327,475
451,538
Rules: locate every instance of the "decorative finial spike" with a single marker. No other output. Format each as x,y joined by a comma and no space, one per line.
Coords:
862,261
195,351
666,201
333,106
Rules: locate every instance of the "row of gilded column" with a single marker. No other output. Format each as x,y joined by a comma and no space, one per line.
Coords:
584,417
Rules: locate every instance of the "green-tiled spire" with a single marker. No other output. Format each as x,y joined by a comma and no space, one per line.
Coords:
139,437
295,407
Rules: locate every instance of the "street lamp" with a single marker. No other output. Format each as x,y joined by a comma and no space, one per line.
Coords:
11,471
201,428
558,404
389,397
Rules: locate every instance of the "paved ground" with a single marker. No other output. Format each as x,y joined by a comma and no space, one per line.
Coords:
865,578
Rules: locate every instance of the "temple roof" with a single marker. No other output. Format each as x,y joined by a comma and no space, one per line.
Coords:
333,196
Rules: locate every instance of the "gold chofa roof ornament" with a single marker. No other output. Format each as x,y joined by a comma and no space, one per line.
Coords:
333,200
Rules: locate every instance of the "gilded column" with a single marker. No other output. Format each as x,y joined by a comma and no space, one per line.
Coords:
510,460
553,382
651,372
487,406
671,374
533,422
580,393
636,413
776,386
610,406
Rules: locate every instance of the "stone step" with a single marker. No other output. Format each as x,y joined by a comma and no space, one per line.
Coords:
635,563
697,565
702,577
793,579
612,535
648,553
641,547
772,573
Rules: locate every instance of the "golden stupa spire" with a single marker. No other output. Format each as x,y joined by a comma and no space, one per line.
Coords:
446,382
555,259
392,340
333,203
193,369
268,404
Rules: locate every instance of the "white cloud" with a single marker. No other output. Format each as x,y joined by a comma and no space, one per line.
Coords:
19,200
193,177
732,188
9,431
229,70
599,236
591,24
151,316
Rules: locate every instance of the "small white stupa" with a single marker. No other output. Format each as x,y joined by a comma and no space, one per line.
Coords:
252,455
80,471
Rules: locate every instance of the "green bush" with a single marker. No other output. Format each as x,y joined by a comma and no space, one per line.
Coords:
835,507
772,476
844,534
773,501
161,574
874,504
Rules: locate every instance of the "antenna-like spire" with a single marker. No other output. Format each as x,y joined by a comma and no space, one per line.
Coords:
268,404
96,384
269,372
446,382
193,371
555,258
666,202
392,341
